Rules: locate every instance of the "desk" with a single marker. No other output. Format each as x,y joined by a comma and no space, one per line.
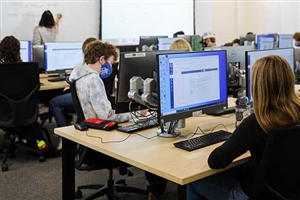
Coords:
46,85
156,155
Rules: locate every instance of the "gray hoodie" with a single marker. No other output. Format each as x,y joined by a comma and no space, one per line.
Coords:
92,95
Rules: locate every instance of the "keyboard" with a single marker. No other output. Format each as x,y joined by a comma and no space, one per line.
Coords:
57,79
138,126
203,141
222,112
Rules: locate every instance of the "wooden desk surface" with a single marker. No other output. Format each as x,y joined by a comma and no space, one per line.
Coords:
158,155
46,85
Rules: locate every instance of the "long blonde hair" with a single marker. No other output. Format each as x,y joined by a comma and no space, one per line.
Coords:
181,44
273,89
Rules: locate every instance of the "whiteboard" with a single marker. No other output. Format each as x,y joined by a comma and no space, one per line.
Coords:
134,18
80,18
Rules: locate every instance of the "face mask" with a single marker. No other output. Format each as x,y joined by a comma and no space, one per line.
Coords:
297,44
106,70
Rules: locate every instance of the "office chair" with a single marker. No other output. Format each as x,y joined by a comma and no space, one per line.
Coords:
278,176
88,159
19,89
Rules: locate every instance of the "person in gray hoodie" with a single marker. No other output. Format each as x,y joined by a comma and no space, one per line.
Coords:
90,87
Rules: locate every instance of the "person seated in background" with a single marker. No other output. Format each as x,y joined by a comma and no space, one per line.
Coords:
236,42
47,29
229,44
181,44
296,38
178,33
58,104
272,86
209,39
10,50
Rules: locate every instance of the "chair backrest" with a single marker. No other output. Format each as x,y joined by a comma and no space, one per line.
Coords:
76,102
278,176
19,90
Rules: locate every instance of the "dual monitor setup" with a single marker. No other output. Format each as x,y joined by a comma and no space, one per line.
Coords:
268,41
185,82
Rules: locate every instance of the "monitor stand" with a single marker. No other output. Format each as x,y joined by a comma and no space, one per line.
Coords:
171,129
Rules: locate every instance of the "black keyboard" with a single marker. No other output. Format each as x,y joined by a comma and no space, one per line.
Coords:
138,126
203,141
222,112
57,79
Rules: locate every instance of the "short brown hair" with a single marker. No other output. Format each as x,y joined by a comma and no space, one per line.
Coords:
296,36
87,41
94,50
10,49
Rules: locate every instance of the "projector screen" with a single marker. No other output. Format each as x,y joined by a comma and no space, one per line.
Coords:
125,21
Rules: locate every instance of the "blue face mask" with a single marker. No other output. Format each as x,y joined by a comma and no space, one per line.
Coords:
297,44
106,70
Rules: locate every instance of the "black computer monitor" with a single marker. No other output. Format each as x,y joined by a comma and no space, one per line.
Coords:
38,56
189,82
285,40
134,64
25,51
127,48
247,40
149,43
265,41
62,56
252,56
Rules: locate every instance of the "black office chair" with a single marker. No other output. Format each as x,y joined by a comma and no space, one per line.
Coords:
278,176
88,159
19,89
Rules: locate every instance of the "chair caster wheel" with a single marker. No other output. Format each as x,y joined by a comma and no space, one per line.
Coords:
4,167
42,159
78,194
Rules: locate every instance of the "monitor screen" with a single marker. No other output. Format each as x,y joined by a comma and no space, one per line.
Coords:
134,64
252,56
25,50
165,43
265,42
191,81
61,56
285,40
149,43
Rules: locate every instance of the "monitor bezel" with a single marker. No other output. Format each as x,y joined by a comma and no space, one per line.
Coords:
189,113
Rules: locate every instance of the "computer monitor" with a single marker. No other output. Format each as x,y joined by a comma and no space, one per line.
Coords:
189,82
127,48
62,56
285,40
149,43
38,56
265,41
247,40
165,43
134,64
252,56
25,50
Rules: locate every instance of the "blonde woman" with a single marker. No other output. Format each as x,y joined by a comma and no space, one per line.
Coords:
181,44
275,105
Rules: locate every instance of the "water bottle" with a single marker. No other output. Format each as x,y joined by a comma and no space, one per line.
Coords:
242,110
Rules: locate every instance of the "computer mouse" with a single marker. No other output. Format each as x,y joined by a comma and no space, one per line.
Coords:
80,127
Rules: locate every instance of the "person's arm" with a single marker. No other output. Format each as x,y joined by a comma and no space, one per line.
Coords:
100,103
36,40
58,18
246,136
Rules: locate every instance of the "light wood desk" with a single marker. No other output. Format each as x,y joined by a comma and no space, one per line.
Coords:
157,155
46,85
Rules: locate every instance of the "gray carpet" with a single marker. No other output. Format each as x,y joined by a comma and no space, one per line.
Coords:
28,179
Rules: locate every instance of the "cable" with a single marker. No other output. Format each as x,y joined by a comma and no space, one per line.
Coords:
104,142
217,126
